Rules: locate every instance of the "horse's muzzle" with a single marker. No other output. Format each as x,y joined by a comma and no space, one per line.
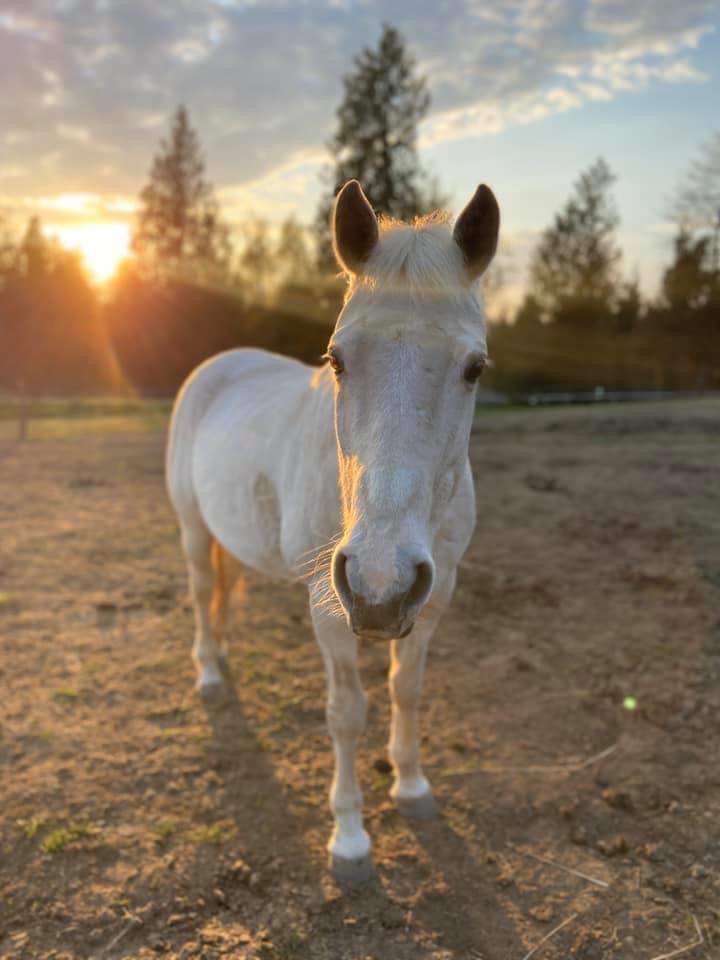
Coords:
393,614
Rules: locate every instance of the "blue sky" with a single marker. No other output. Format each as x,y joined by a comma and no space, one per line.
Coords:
526,93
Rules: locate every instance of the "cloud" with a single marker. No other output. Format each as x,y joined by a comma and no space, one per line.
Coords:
68,208
88,86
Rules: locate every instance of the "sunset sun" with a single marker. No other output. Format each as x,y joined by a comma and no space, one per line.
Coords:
101,245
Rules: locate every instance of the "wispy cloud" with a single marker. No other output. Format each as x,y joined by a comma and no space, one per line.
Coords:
84,82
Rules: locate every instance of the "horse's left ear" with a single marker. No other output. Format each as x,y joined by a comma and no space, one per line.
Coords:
354,228
476,231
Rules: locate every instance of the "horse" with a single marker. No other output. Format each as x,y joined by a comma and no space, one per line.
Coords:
353,477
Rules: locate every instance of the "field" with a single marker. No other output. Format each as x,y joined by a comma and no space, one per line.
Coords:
571,715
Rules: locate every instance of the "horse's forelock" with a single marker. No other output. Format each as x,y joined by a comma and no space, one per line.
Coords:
420,258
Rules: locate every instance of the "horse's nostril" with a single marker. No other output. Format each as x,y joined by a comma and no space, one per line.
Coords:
340,579
420,590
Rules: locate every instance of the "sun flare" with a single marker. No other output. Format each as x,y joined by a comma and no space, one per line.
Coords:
102,245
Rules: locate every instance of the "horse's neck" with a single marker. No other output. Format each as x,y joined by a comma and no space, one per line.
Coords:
310,458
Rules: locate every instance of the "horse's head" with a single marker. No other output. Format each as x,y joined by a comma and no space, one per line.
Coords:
407,351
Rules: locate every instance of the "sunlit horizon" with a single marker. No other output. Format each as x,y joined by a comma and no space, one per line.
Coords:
102,245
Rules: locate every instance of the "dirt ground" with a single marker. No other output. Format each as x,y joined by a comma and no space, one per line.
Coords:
137,822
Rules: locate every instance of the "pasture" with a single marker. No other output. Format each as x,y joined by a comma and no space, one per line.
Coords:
571,715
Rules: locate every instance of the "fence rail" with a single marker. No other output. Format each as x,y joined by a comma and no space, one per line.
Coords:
598,395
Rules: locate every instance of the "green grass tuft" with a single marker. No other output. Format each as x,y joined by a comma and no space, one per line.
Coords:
59,839
214,833
165,829
32,826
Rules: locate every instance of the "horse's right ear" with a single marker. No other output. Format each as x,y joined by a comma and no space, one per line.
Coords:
354,228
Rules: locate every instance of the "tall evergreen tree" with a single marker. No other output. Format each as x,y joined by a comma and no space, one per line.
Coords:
293,254
573,271
629,307
179,227
697,213
697,205
255,262
375,140
529,315
51,337
689,291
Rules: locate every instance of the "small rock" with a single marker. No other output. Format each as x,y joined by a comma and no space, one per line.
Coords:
612,847
544,913
618,799
220,896
653,852
541,483
579,836
239,870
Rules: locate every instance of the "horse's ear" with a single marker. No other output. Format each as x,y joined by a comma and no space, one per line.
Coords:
354,228
476,231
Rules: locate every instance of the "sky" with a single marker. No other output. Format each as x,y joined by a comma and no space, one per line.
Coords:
525,95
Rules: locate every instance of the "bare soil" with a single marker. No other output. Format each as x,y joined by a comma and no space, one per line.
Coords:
138,822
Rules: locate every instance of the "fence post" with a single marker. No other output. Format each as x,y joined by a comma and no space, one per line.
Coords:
22,410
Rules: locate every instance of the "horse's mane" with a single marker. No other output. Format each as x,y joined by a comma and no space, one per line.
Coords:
421,257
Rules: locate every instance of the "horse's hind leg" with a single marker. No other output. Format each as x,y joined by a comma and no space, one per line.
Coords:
197,545
227,572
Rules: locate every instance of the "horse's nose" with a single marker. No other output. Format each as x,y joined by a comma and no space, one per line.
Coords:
388,612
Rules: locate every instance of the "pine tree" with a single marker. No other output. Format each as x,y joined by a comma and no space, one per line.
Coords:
573,271
293,255
51,339
255,262
529,315
697,205
179,227
376,137
687,284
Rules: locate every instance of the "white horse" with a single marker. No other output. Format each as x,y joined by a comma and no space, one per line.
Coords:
360,465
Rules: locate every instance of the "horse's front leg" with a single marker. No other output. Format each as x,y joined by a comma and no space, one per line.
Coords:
411,790
349,846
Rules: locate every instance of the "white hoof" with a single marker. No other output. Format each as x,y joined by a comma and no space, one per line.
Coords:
423,807
210,684
352,872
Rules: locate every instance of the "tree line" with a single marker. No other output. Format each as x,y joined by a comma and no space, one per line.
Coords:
192,286
582,324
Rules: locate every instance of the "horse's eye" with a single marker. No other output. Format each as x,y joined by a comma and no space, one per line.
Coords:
335,361
474,369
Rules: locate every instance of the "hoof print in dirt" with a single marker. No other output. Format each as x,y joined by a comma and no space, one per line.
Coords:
423,807
352,873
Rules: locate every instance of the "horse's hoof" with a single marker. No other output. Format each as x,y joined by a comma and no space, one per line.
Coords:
355,872
212,691
423,807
